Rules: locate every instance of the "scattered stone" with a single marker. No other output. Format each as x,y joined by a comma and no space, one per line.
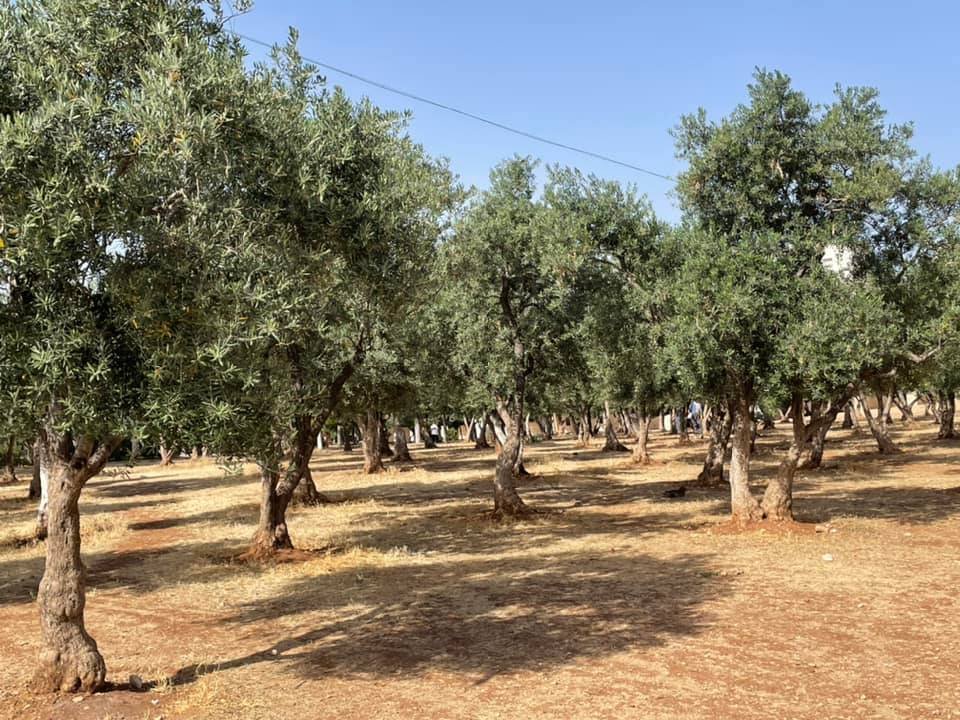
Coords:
821,528
828,558
79,699
273,652
136,682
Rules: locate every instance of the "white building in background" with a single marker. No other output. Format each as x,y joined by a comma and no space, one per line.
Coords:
838,260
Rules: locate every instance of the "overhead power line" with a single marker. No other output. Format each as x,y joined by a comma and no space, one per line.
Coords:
464,113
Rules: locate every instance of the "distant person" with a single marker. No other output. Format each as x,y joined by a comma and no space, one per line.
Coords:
695,416
435,433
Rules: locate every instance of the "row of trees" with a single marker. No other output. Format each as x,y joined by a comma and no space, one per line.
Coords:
194,251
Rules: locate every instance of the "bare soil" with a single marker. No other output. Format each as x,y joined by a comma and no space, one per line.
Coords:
404,600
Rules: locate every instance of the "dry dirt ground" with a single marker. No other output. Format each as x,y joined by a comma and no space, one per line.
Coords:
412,604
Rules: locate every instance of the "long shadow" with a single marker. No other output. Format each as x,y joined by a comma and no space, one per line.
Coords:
132,486
481,617
134,570
918,505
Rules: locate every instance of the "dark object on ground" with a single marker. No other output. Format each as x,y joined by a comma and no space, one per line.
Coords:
676,492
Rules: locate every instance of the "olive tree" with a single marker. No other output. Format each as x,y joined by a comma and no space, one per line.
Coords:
107,112
515,262
768,191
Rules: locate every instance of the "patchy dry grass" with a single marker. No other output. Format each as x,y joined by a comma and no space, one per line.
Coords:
410,603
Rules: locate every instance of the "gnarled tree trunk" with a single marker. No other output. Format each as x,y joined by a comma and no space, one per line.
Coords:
307,493
777,503
879,425
720,426
385,450
611,443
818,439
744,507
946,411
372,458
69,659
166,455
642,431
506,500
272,533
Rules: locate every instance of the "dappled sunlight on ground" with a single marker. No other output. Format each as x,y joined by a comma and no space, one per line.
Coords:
407,601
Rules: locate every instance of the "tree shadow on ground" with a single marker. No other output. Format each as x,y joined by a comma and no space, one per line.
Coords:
918,505
482,617
137,570
131,486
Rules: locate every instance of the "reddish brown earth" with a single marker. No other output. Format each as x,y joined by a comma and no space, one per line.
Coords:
404,600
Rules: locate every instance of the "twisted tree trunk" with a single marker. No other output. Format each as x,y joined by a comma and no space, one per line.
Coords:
69,659
506,500
642,431
777,503
272,533
818,438
744,507
720,426
166,455
611,444
879,425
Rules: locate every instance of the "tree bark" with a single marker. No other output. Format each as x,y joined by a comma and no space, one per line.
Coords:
583,430
640,453
481,442
506,500
947,410
372,458
402,453
385,450
307,493
777,503
611,444
272,533
879,425
904,406
712,473
744,507
818,438
166,455
69,660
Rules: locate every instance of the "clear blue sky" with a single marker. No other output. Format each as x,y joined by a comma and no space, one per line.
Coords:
614,76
